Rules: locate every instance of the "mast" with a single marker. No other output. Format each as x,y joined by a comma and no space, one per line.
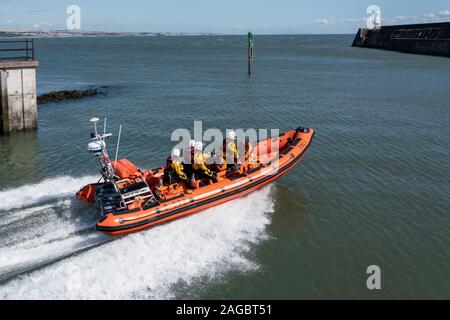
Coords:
98,147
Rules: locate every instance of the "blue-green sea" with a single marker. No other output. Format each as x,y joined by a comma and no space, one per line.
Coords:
374,188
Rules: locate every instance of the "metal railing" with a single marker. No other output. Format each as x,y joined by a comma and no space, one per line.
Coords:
25,46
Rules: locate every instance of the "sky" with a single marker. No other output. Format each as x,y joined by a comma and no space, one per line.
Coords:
219,16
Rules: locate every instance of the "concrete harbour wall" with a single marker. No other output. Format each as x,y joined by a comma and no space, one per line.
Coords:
18,96
429,39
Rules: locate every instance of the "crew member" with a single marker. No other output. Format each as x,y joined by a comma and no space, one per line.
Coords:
216,162
175,169
231,151
189,158
199,166
191,149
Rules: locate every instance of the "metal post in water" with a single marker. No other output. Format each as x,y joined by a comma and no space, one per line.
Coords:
250,52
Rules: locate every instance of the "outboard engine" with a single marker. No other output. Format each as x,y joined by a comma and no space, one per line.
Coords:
107,199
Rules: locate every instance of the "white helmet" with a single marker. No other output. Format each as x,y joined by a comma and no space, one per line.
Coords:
231,135
176,152
198,146
192,143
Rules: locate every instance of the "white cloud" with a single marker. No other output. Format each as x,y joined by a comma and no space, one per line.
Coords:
444,13
42,24
354,20
400,17
321,21
436,16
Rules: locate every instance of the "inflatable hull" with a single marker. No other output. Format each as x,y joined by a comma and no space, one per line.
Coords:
293,147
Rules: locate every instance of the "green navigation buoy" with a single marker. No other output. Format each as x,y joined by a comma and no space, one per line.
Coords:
250,52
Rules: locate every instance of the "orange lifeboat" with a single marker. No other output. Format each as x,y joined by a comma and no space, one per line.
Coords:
138,200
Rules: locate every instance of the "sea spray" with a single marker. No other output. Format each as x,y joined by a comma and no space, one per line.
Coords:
149,264
43,222
44,191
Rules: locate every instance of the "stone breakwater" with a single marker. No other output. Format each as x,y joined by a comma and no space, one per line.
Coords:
429,39
57,96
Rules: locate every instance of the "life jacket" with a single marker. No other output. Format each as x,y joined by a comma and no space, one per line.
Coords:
231,151
177,167
200,161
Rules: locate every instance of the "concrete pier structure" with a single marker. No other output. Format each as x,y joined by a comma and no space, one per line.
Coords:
18,104
428,38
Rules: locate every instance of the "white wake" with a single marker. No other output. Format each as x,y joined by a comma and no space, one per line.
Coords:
43,222
144,265
46,190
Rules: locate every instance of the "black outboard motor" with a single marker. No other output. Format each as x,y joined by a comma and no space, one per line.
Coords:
107,199
303,129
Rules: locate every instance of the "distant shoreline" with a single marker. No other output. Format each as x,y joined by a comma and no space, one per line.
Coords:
75,34
93,34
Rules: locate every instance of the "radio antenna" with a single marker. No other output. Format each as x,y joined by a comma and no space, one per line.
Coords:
118,143
104,128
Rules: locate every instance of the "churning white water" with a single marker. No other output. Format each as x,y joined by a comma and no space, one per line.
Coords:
143,265
44,191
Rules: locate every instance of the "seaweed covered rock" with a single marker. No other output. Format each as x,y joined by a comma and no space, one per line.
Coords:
56,96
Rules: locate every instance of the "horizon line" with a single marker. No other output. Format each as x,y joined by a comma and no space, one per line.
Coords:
81,32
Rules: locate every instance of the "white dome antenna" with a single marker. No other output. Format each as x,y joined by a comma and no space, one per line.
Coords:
97,146
94,122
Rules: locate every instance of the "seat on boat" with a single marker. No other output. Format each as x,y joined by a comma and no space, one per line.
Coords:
126,169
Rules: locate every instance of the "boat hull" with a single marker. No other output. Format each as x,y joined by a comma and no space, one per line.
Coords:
117,225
